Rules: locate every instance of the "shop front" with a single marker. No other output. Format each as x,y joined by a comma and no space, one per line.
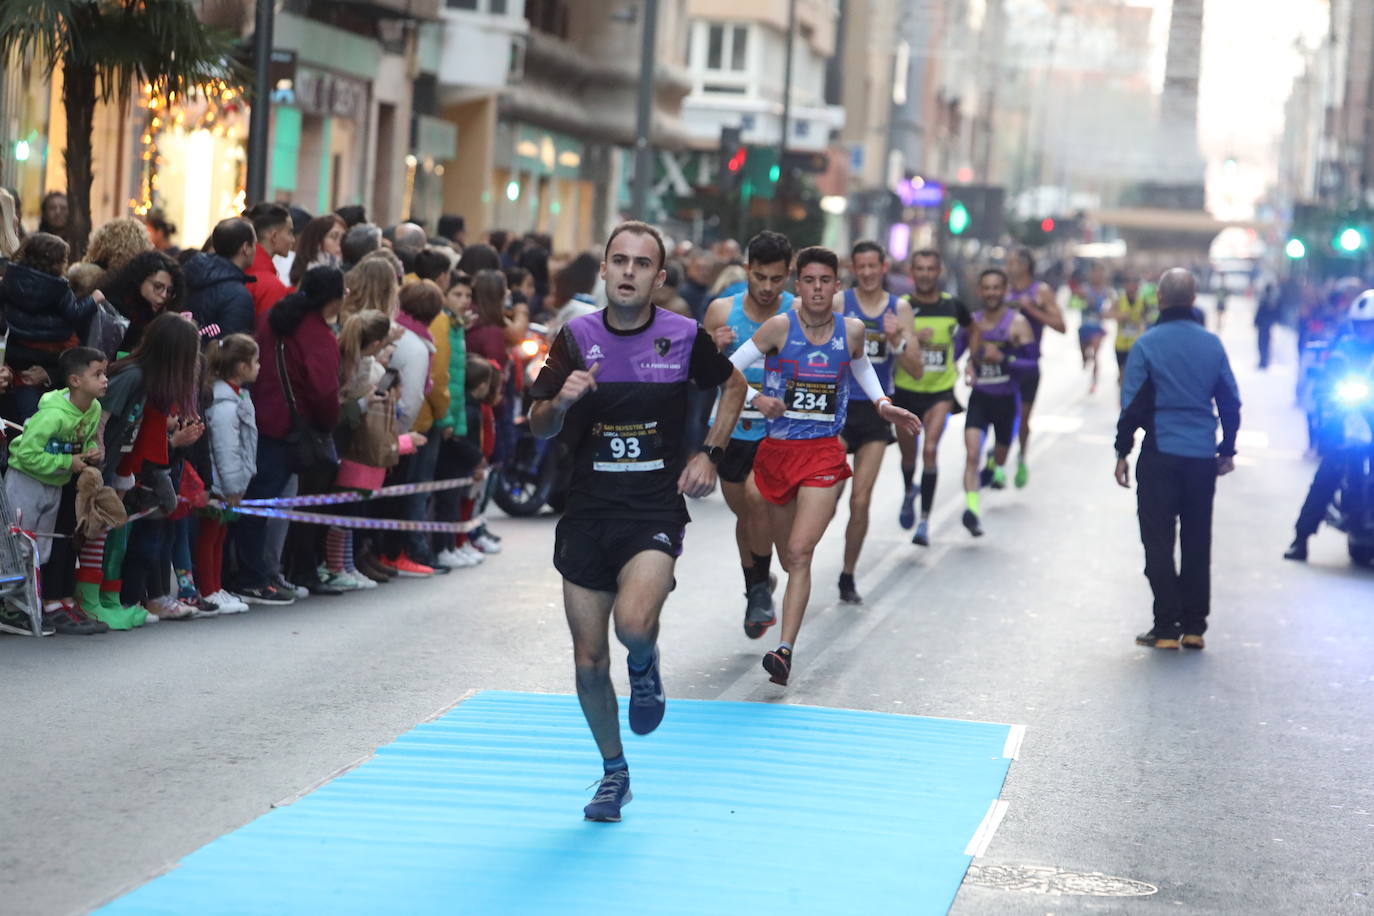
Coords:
541,183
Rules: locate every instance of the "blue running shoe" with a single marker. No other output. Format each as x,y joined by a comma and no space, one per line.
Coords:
647,702
907,517
612,794
922,535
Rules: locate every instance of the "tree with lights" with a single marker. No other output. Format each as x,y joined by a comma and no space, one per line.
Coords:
105,47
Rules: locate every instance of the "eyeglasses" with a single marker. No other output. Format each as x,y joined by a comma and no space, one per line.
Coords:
160,287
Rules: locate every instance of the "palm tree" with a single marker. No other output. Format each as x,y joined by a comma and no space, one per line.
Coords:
105,47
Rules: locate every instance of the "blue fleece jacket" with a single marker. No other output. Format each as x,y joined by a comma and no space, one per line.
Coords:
1175,373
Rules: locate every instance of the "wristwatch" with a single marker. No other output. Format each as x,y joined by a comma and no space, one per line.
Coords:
714,452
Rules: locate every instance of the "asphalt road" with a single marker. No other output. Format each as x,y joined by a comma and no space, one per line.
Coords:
1234,780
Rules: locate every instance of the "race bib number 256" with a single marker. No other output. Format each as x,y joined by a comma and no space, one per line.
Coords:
622,447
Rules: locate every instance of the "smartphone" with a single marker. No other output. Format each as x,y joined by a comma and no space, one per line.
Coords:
387,381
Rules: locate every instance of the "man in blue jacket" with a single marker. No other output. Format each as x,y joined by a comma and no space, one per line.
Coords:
217,281
1176,372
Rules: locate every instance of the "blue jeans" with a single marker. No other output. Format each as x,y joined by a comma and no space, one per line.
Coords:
249,533
425,461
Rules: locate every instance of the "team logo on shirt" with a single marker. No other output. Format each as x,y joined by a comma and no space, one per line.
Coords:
663,539
661,345
595,352
817,358
837,344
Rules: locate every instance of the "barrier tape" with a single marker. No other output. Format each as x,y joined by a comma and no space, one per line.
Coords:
369,524
355,496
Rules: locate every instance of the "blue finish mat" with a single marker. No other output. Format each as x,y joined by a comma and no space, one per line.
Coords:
738,808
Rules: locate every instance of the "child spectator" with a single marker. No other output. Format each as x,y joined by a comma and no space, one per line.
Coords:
149,411
233,422
58,442
45,318
454,459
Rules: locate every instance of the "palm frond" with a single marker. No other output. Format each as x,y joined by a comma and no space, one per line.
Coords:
37,29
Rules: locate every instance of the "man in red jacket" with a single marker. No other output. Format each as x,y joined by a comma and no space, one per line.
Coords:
272,222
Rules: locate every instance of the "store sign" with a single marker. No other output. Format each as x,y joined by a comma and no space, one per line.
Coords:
434,138
544,152
320,93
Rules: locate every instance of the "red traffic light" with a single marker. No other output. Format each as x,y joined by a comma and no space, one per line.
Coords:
1047,224
737,161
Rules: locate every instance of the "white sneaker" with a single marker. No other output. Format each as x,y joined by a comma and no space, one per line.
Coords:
474,555
339,578
363,581
228,604
487,544
453,559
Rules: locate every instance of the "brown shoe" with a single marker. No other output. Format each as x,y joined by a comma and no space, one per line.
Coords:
1193,641
1156,642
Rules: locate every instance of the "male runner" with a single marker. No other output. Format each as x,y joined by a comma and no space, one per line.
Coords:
866,435
924,380
798,467
1097,302
615,386
1002,349
1133,312
730,322
1036,302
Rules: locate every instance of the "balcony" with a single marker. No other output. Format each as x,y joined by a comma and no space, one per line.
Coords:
483,46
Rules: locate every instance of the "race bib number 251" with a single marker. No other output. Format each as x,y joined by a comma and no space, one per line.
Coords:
622,447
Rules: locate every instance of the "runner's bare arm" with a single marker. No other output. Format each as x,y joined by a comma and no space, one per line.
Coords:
910,358
714,322
1046,310
837,303
855,332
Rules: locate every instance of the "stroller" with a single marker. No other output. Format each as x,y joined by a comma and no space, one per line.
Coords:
18,566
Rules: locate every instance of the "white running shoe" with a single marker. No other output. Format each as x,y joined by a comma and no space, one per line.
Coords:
474,555
454,559
363,581
487,544
339,578
228,604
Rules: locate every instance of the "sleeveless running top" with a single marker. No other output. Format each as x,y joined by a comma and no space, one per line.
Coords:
1133,320
943,318
875,342
751,426
1021,297
995,378
1095,305
809,378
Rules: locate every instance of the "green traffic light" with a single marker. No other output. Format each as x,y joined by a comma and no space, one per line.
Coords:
1350,239
958,218
774,173
1295,249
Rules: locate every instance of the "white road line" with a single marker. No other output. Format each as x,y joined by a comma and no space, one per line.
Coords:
982,837
1015,735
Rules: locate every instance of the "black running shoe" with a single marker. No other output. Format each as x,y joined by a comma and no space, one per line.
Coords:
758,614
1157,641
985,476
849,594
15,621
71,622
778,664
1297,550
971,522
612,794
647,702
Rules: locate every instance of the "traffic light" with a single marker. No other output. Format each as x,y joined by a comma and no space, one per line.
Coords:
958,217
1350,240
1296,249
1047,225
733,156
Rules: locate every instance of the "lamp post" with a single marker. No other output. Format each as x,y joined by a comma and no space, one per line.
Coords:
260,117
779,190
644,114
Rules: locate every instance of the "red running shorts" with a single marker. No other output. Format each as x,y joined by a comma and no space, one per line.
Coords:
783,465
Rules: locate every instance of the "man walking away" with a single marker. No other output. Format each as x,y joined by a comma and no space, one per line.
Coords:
1176,372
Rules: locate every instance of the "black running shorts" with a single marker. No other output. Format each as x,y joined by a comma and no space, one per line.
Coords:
1001,412
1030,386
591,552
920,402
738,461
863,425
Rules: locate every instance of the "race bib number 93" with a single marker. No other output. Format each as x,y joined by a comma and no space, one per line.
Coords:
622,447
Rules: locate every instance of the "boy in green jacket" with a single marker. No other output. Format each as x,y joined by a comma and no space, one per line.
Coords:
59,442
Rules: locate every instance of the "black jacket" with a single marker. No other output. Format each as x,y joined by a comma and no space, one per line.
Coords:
217,293
40,309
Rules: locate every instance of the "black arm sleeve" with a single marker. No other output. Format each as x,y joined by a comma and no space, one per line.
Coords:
563,361
709,367
961,314
1139,414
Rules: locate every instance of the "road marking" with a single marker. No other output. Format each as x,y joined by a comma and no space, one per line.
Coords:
982,837
1012,749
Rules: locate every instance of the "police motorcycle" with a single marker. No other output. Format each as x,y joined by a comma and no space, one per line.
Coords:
536,472
1352,511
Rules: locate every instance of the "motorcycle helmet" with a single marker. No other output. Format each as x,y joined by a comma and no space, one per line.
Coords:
1362,309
